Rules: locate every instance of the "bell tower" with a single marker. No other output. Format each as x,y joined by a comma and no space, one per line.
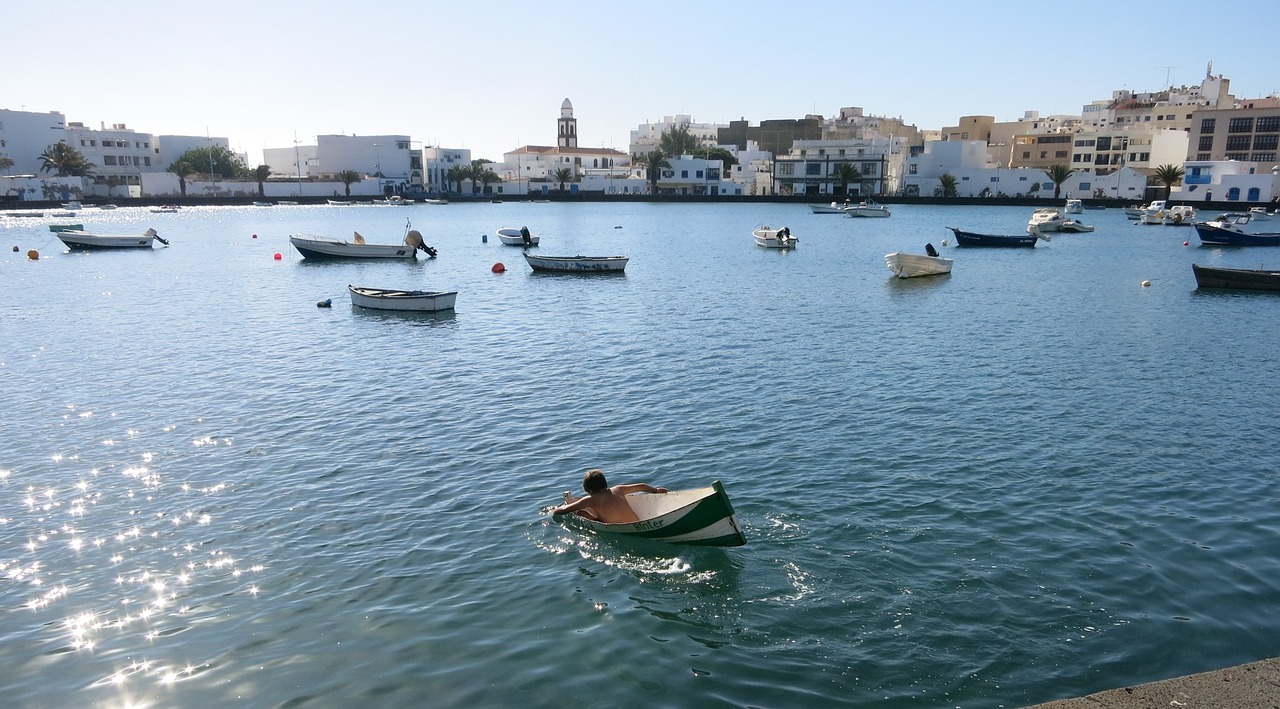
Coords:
567,127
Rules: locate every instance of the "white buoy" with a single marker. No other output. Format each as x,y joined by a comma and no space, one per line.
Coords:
1146,283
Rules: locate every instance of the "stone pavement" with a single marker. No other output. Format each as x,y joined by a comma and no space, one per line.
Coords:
1252,686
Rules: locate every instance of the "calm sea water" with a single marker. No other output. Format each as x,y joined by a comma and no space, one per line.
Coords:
1032,479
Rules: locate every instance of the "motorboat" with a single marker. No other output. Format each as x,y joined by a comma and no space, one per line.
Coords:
906,265
517,237
1236,278
85,241
833,208
1074,206
1046,219
771,238
971,238
321,247
1179,215
867,209
1075,226
1231,229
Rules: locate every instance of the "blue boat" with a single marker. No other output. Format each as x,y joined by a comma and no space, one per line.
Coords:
969,238
1229,230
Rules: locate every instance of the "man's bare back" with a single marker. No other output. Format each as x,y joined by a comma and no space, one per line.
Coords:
608,504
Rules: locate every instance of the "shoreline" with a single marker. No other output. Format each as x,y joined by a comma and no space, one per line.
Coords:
1254,684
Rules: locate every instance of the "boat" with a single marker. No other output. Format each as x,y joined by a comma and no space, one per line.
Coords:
702,516
107,206
320,247
263,204
394,201
1236,278
83,240
391,299
1074,206
55,228
969,238
72,205
1075,226
1179,215
434,200
867,209
166,209
517,237
576,264
1046,219
906,265
340,202
1134,211
833,208
775,238
1229,230
287,203
1260,214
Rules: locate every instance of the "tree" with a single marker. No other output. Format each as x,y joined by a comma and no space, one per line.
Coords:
562,175
1058,174
6,162
348,178
1169,175
217,160
488,177
846,173
66,160
261,173
948,182
458,174
183,170
477,169
678,141
653,162
716,153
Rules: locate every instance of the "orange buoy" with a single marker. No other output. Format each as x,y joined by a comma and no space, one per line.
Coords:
498,267
33,255
277,256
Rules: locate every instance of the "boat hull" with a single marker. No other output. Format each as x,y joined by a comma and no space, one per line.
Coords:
772,239
906,265
320,248
1236,278
969,238
81,241
703,516
1219,236
577,264
513,237
406,300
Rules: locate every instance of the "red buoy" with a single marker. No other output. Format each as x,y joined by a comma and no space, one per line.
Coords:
1186,243
277,256
255,236
498,267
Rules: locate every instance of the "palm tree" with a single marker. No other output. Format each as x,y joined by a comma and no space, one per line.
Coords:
653,162
562,175
678,141
349,177
261,173
1169,175
487,177
846,173
948,182
477,169
458,173
66,160
183,170
1058,174
6,162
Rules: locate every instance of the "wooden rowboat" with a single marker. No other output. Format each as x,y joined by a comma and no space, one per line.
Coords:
1236,278
701,516
905,265
392,299
577,264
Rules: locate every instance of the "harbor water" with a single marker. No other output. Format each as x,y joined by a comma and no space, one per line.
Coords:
1033,478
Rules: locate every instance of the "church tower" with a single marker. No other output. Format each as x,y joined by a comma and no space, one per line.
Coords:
567,127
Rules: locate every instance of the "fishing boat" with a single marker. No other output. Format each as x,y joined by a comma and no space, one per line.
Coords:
1075,226
867,209
1230,230
905,265
320,247
517,237
970,238
392,299
576,264
1236,278
702,516
84,241
833,208
775,238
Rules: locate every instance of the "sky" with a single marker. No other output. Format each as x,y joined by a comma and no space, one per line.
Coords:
490,76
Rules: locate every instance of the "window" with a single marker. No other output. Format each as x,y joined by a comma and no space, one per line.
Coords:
1238,142
868,169
787,168
1202,156
698,174
108,160
1144,157
1104,143
1206,142
913,169
1100,159
1263,157
1254,194
684,174
1026,155
1085,186
1062,153
1268,124
1044,154
1266,142
1240,125
813,168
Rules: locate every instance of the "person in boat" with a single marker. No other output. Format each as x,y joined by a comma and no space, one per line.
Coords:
603,503
928,249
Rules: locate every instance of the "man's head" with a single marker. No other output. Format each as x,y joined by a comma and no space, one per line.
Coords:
594,481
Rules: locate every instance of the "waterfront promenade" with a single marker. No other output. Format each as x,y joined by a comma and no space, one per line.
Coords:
1251,686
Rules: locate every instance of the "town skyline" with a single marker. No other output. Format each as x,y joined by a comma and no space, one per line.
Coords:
265,76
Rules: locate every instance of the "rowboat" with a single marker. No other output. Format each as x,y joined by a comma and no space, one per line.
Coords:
1229,230
775,238
906,265
320,247
577,264
702,516
83,240
391,299
867,209
1236,278
969,238
517,237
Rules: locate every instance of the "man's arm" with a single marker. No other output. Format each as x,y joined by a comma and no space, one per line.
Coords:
637,487
574,506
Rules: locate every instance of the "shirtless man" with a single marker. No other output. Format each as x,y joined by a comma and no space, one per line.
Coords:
603,503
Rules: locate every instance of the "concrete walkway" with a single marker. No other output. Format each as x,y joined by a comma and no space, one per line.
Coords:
1252,686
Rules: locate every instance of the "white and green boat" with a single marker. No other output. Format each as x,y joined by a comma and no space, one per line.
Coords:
700,516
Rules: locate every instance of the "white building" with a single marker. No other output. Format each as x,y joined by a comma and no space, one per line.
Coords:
648,136
388,158
293,163
24,135
436,164
810,167
1227,181
532,169
976,174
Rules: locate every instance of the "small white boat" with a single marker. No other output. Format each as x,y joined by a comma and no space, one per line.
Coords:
1074,206
1151,213
394,201
702,516
771,238
287,203
83,240
72,205
320,247
1075,226
1179,215
834,208
1260,214
577,264
1046,219
867,209
166,209
435,200
341,202
391,299
906,265
108,206
517,237
263,204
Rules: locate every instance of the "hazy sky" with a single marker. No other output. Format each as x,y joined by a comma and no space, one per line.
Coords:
491,75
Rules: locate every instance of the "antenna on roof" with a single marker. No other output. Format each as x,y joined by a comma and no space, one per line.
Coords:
1168,71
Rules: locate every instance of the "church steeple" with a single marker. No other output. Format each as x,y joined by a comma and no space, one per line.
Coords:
567,127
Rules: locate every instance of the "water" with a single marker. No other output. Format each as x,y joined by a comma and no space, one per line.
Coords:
1031,479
